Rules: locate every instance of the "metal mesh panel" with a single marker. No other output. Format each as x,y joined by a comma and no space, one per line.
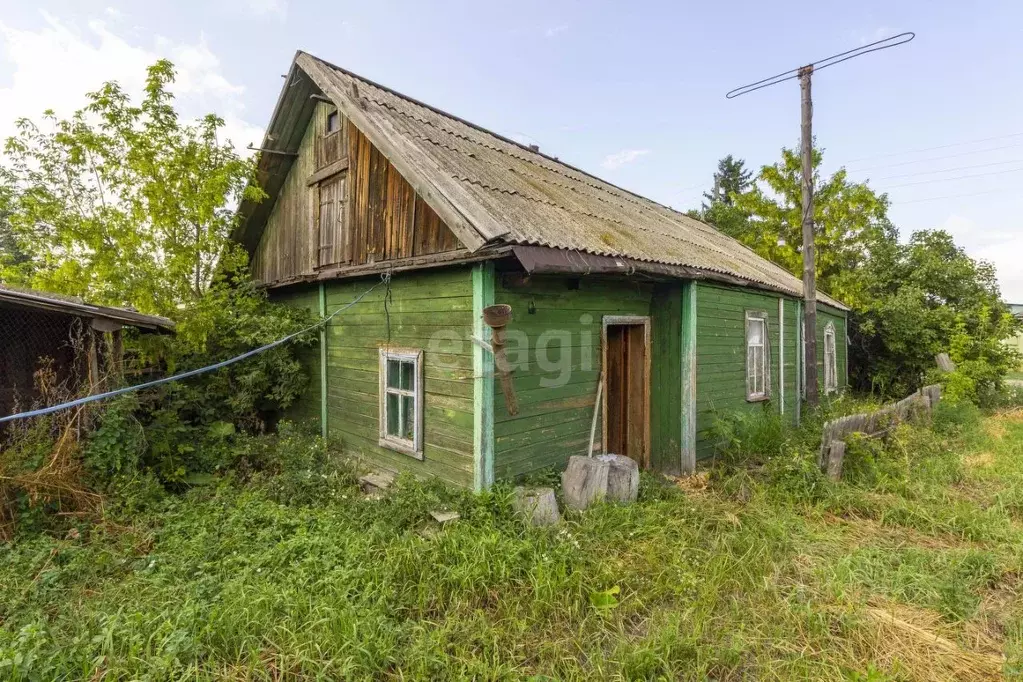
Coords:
42,358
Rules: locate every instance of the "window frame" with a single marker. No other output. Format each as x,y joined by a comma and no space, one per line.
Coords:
830,363
414,446
752,395
336,115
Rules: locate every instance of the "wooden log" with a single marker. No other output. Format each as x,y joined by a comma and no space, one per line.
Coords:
538,506
836,454
622,478
584,482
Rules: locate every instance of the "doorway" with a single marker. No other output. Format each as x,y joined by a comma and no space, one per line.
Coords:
626,343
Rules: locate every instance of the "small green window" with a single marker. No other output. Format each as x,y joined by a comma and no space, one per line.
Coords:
401,401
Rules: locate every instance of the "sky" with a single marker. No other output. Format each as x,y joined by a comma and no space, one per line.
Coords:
630,91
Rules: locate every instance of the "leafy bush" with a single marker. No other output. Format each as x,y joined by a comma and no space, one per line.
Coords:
749,436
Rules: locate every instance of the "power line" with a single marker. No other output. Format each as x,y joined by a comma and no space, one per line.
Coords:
949,170
957,196
930,149
936,158
958,177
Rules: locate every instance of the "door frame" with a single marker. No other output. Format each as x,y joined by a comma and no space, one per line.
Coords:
628,320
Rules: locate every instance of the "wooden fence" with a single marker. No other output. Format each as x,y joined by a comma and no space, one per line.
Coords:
835,432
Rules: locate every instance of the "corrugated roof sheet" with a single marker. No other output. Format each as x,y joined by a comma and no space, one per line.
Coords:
541,201
72,305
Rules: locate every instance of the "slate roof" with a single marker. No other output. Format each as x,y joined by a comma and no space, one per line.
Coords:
72,305
510,194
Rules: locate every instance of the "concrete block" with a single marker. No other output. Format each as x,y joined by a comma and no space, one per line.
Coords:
584,481
622,478
539,506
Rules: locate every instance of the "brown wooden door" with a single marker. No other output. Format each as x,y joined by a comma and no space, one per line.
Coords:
627,391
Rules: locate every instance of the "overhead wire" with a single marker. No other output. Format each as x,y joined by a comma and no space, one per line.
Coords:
958,177
892,41
930,149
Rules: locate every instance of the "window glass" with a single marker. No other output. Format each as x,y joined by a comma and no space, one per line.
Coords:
333,122
401,404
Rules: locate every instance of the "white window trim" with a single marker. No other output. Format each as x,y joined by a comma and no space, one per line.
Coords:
757,396
413,447
830,363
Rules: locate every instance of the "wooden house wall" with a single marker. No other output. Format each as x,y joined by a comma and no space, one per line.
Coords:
666,383
837,317
428,310
381,217
288,246
721,356
554,417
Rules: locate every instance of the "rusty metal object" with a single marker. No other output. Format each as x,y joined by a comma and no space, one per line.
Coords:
497,318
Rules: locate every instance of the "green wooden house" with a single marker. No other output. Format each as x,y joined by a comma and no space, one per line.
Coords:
619,305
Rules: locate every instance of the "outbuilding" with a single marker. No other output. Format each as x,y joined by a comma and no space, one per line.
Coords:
619,307
76,343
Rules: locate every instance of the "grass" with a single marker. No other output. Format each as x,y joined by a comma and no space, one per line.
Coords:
908,570
1014,376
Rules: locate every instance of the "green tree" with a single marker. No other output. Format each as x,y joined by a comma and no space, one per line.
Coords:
732,178
850,222
124,203
927,297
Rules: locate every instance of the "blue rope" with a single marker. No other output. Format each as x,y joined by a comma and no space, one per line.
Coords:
191,373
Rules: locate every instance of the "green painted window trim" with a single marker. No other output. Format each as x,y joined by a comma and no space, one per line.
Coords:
483,378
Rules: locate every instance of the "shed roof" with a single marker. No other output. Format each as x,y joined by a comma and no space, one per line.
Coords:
492,190
72,305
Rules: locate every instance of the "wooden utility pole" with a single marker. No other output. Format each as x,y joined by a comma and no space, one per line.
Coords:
804,73
809,260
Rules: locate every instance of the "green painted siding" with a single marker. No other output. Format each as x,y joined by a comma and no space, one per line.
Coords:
428,310
666,382
307,407
556,353
721,355
837,317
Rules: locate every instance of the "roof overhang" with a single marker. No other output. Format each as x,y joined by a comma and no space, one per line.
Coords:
102,318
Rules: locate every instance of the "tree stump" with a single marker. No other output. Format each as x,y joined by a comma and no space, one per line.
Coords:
584,481
622,478
538,506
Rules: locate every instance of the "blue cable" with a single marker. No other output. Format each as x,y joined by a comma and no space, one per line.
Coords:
190,373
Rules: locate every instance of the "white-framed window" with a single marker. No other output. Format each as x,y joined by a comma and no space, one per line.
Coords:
830,360
758,357
401,400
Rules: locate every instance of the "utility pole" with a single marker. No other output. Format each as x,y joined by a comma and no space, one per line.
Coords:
804,74
809,247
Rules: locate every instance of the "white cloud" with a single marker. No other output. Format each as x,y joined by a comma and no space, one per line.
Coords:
53,67
553,31
1003,247
619,159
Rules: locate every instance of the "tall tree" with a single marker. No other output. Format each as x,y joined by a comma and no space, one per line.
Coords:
850,221
732,177
124,203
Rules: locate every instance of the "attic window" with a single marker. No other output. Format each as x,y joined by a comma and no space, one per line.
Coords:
333,123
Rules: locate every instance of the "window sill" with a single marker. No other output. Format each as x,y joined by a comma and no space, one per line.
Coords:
405,447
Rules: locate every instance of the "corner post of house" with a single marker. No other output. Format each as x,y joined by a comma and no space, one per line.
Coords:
799,362
688,376
483,379
323,360
781,355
